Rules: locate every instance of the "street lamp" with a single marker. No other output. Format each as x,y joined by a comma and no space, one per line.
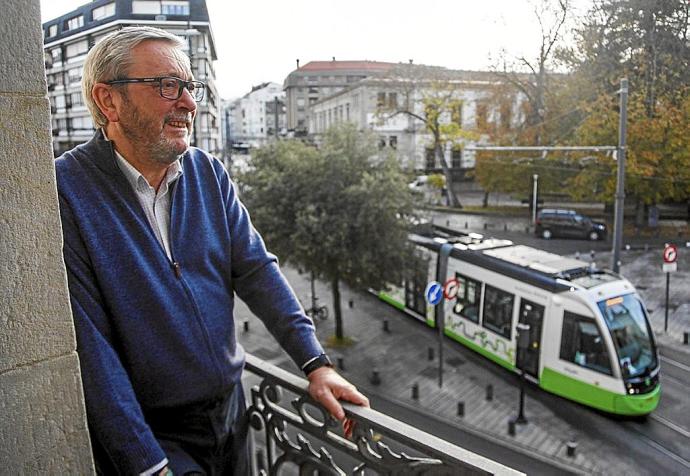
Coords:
523,339
534,198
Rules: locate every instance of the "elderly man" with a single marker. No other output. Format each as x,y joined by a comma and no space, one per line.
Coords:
156,244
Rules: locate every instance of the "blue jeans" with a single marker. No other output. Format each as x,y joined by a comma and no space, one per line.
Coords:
208,439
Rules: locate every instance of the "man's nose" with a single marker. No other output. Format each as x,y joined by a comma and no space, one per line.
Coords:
187,100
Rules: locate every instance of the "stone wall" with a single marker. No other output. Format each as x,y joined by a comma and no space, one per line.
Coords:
42,417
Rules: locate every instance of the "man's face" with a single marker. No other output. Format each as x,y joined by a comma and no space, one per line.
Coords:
156,126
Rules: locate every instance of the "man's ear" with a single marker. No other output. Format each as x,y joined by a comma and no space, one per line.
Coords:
102,95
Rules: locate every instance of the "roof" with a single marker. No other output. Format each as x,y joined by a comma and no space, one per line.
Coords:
357,65
537,267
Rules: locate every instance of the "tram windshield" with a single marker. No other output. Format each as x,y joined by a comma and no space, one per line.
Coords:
632,336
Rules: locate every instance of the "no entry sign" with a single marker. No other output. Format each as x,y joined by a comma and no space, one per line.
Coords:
670,254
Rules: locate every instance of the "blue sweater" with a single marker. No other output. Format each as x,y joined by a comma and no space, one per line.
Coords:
152,333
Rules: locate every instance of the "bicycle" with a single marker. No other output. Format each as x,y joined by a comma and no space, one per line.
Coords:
316,311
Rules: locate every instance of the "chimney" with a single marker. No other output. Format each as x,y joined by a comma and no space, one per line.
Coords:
410,61
333,58
297,63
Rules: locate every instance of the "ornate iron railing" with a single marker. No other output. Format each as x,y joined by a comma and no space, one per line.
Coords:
305,440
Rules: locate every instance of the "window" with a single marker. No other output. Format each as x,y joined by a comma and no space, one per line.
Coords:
498,311
74,74
393,142
76,99
146,7
393,100
382,142
456,114
171,7
456,158
380,99
505,115
74,23
313,101
77,49
51,31
430,158
56,53
582,343
103,11
482,115
468,298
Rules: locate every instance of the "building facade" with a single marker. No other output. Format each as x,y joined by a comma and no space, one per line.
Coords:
316,80
256,117
69,37
381,104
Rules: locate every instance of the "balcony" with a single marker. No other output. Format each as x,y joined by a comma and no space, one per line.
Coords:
293,435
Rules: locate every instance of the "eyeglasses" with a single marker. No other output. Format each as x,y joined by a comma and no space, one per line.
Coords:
169,86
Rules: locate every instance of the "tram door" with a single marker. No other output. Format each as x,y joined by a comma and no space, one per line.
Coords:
415,284
532,315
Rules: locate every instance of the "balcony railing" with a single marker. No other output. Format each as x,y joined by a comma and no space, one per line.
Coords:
299,437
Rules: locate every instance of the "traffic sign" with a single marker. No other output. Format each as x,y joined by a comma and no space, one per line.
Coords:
670,267
433,293
670,253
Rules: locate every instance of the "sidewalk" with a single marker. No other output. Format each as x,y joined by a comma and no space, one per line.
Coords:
401,357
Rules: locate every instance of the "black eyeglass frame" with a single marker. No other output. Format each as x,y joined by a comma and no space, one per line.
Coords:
181,84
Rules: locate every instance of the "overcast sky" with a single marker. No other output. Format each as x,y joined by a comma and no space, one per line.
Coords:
259,40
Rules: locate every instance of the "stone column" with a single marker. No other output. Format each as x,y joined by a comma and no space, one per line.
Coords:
42,417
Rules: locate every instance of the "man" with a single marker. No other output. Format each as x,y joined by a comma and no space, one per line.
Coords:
156,243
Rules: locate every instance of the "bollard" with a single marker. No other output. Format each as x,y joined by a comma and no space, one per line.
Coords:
447,222
341,363
489,392
527,229
385,326
486,225
431,353
465,225
351,303
505,227
571,446
511,427
415,391
686,337
646,247
461,409
375,377
246,326
577,255
592,254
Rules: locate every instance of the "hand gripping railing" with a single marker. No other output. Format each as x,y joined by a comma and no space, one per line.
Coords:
380,444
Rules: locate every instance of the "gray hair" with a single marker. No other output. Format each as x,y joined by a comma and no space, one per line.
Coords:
111,59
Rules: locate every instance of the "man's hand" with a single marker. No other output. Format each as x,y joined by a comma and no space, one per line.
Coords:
326,386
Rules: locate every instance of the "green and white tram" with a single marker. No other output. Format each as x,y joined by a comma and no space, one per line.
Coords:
589,336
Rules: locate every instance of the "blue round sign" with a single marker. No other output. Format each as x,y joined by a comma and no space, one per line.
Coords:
433,293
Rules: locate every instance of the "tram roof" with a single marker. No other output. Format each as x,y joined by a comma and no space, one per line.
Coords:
537,267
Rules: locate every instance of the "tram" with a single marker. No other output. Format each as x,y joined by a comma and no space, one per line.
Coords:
588,334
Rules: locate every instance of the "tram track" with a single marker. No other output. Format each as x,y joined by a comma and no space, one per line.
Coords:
644,437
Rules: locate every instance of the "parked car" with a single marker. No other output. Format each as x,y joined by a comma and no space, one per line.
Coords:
553,223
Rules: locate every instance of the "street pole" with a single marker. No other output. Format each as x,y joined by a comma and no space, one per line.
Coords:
275,116
620,182
668,282
534,199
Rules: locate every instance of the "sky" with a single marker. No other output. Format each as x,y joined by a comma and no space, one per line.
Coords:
260,40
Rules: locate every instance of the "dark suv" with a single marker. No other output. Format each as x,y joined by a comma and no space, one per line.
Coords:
553,223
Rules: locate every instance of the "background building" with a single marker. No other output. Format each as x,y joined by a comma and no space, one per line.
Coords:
376,103
319,79
256,117
68,38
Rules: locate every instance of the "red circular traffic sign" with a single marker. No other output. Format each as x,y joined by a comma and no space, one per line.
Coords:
670,254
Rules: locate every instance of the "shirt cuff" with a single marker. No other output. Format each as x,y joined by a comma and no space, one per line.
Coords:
304,366
154,469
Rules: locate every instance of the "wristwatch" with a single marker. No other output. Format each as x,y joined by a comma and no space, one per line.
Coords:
316,363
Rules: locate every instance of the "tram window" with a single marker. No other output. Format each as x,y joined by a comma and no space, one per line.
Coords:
498,311
468,298
582,343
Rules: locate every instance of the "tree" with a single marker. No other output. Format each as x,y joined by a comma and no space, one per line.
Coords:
647,42
340,211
